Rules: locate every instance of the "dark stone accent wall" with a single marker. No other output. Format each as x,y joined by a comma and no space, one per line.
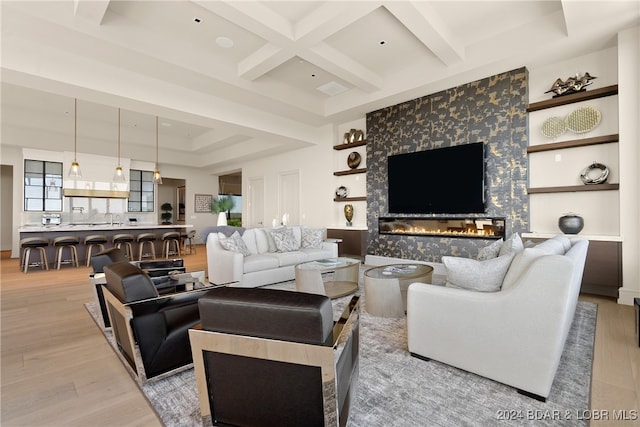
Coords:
492,110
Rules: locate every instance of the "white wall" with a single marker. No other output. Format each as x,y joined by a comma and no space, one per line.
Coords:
600,210
608,213
629,69
314,165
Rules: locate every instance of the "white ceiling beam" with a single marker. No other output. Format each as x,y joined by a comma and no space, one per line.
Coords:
91,10
305,41
342,66
263,60
428,27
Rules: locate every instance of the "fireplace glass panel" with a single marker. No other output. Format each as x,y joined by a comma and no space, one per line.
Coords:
474,228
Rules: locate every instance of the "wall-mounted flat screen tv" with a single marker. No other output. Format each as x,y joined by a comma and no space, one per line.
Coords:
443,180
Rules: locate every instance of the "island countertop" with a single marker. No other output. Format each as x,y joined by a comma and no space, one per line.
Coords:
94,226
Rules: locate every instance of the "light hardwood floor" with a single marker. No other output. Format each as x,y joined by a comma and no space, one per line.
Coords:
58,370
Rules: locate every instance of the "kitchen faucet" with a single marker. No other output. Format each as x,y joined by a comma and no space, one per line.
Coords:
110,218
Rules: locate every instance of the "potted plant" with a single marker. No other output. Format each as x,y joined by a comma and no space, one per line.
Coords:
222,204
166,215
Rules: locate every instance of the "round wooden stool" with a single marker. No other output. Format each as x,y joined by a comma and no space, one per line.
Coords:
94,241
38,243
70,242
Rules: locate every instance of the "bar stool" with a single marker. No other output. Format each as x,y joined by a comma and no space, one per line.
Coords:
38,243
143,238
94,241
187,239
69,242
126,240
171,238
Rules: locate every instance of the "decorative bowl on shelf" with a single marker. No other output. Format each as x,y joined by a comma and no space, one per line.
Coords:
342,192
571,223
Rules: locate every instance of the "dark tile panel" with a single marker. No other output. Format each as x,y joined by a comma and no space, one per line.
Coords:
492,110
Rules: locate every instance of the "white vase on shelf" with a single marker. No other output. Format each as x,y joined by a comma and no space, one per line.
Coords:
222,219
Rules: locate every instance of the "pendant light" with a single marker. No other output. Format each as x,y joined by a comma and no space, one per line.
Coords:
118,175
157,179
74,170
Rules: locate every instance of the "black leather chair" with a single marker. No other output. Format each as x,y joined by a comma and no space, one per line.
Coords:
157,324
97,279
266,357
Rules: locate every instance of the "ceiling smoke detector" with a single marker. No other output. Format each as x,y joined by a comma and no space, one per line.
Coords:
332,88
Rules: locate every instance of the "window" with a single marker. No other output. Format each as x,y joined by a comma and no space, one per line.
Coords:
141,191
42,186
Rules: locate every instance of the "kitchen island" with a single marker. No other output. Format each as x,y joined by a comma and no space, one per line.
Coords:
82,230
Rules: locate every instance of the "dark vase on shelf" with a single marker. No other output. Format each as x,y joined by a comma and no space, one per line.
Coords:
571,223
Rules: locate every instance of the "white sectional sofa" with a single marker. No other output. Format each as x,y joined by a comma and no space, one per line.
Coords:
514,335
263,263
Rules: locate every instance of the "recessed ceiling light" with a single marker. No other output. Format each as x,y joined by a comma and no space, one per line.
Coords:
382,42
197,20
224,42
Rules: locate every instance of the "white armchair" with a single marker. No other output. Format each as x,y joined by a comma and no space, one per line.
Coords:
515,336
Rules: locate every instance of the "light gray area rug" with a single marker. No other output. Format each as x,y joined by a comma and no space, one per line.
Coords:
396,389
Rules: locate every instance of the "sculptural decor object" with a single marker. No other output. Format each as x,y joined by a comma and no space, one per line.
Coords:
571,223
354,159
573,84
595,173
348,214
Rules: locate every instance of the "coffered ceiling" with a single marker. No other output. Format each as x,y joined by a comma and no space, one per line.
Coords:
238,80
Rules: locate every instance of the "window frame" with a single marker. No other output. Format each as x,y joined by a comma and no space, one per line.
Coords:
137,192
51,173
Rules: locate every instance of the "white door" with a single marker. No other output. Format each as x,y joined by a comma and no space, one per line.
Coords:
289,196
255,209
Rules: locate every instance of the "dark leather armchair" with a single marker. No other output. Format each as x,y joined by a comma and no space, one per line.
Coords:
157,324
265,357
97,279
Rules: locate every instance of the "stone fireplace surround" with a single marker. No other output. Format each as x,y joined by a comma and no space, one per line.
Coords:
492,110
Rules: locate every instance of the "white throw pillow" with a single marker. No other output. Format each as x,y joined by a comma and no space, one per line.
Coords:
512,244
490,251
312,238
471,274
285,240
234,243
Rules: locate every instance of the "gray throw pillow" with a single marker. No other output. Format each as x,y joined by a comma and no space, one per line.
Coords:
285,240
474,275
512,244
490,251
234,243
312,238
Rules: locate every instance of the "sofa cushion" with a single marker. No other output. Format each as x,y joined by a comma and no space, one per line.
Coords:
260,262
483,276
233,243
249,238
316,254
551,247
291,258
519,265
264,241
312,238
512,244
566,243
490,251
285,239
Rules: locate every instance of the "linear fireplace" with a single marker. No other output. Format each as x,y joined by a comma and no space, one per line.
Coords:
469,227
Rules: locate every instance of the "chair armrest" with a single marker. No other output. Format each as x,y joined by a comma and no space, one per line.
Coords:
224,266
